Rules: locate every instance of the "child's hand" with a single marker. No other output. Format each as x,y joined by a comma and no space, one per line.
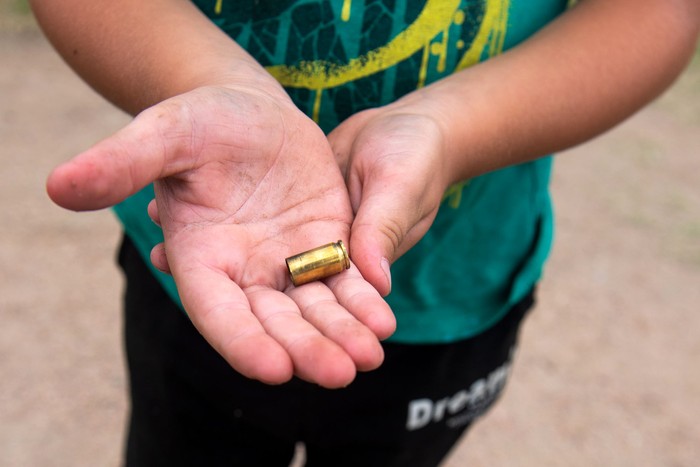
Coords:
243,180
392,158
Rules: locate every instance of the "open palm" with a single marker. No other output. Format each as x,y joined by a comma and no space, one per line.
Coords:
243,180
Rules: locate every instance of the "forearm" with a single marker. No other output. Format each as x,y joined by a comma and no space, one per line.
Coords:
139,53
584,73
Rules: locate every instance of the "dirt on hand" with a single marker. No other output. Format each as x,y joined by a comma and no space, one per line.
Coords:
607,368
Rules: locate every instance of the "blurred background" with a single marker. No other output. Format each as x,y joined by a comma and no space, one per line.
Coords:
608,370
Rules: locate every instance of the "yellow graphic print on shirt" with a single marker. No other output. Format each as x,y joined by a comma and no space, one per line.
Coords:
382,48
429,33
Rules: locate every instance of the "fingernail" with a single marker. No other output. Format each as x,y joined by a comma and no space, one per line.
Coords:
387,272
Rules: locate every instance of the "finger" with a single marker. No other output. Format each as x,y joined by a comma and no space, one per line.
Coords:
389,220
363,301
316,358
153,212
222,313
371,251
343,137
320,307
376,234
159,258
117,167
341,145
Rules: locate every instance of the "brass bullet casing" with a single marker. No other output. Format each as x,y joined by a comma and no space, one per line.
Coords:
319,263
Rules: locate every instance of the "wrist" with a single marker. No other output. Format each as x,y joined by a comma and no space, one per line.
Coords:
243,75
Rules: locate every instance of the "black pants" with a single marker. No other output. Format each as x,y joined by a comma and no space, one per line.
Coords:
189,408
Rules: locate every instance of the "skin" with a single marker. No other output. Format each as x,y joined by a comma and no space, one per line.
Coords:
243,179
578,77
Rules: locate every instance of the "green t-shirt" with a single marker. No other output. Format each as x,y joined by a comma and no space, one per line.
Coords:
492,234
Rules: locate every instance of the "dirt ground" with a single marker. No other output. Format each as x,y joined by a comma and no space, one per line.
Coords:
608,370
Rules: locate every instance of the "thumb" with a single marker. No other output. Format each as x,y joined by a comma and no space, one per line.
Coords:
372,251
114,168
390,219
377,233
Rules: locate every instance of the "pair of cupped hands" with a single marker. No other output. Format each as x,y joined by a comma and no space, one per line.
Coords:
243,179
